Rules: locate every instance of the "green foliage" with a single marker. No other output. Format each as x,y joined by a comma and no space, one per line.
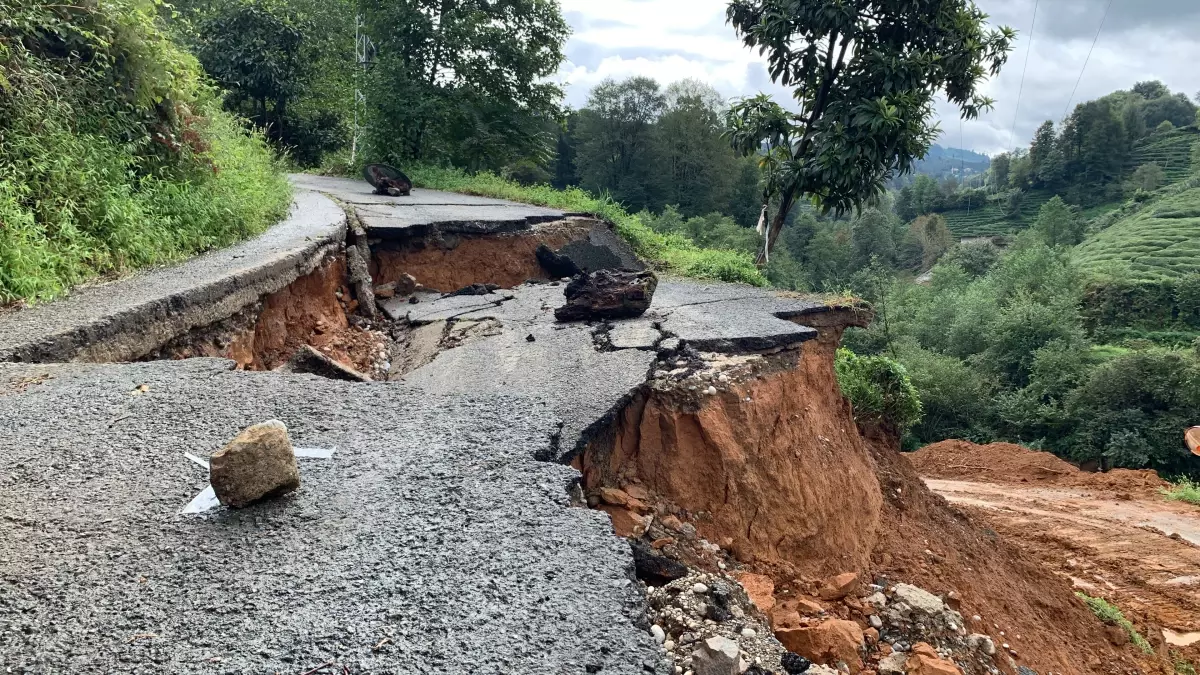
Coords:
1111,615
1059,224
867,110
1184,490
672,252
618,140
974,257
465,83
284,64
879,389
97,178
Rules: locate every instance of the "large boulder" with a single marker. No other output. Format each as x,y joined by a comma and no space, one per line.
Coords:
259,463
608,294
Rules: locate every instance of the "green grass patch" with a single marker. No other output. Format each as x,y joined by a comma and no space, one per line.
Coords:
1184,490
671,253
1111,615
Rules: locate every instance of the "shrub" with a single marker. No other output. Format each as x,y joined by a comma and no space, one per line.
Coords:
879,389
1111,615
98,179
1184,490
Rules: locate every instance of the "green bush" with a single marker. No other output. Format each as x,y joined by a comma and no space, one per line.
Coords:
1184,490
670,252
879,389
113,154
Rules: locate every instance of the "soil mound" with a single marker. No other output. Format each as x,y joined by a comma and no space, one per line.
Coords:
1009,463
993,463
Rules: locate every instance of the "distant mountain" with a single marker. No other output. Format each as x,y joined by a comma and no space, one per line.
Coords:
941,163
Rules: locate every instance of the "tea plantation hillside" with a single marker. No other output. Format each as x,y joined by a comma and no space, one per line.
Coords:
1161,241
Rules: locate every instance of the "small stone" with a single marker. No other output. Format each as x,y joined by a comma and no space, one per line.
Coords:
711,391
721,564
982,643
257,464
876,622
722,378
749,633
699,589
669,645
659,635
717,656
893,664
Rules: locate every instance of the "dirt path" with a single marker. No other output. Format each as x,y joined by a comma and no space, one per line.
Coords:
1143,552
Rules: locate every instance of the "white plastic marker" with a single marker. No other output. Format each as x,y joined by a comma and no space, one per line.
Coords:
207,499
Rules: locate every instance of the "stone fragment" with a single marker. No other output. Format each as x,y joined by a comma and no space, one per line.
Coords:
919,599
924,660
658,634
794,664
838,587
761,590
608,294
785,618
808,607
474,289
360,276
654,569
699,589
626,523
982,643
308,359
717,656
1116,635
893,664
828,643
257,464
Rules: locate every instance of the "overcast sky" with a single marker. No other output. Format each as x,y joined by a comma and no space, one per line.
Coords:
673,39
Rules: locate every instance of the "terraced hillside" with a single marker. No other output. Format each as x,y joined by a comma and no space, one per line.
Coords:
1160,242
1172,151
990,219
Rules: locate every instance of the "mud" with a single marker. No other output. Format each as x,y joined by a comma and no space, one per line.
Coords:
1009,463
450,262
1139,553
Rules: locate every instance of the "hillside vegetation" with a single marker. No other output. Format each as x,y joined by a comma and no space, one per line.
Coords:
113,152
1161,241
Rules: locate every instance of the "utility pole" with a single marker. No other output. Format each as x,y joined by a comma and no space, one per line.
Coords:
364,58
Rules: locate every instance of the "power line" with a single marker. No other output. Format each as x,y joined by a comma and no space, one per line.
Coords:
1012,135
1089,58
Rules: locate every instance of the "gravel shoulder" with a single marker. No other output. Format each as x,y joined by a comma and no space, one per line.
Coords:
433,541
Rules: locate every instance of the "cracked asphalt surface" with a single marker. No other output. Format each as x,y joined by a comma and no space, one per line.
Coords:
434,541
433,533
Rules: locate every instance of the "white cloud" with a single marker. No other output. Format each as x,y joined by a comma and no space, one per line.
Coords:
673,39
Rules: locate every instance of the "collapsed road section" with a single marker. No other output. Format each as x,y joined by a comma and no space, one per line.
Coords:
759,528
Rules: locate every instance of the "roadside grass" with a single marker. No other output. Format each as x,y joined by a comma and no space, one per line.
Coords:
672,253
1182,665
1111,615
1184,490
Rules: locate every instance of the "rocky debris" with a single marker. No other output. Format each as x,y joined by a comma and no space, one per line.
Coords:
310,360
556,265
834,642
695,609
892,664
652,568
259,463
794,664
407,285
925,661
473,289
608,294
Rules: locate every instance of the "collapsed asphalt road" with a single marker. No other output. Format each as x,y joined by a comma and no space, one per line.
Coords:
432,542
438,539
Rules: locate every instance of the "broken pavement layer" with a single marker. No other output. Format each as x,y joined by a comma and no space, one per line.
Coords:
433,541
126,319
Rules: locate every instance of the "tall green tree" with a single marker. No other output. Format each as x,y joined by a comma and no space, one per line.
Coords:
697,163
1058,224
618,148
463,81
864,75
1039,151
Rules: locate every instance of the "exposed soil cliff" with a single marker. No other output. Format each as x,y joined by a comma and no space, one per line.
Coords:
760,455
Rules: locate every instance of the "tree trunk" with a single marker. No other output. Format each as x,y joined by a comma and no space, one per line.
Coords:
773,230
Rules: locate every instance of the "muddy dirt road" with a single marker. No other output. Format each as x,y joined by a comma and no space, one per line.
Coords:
1142,551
